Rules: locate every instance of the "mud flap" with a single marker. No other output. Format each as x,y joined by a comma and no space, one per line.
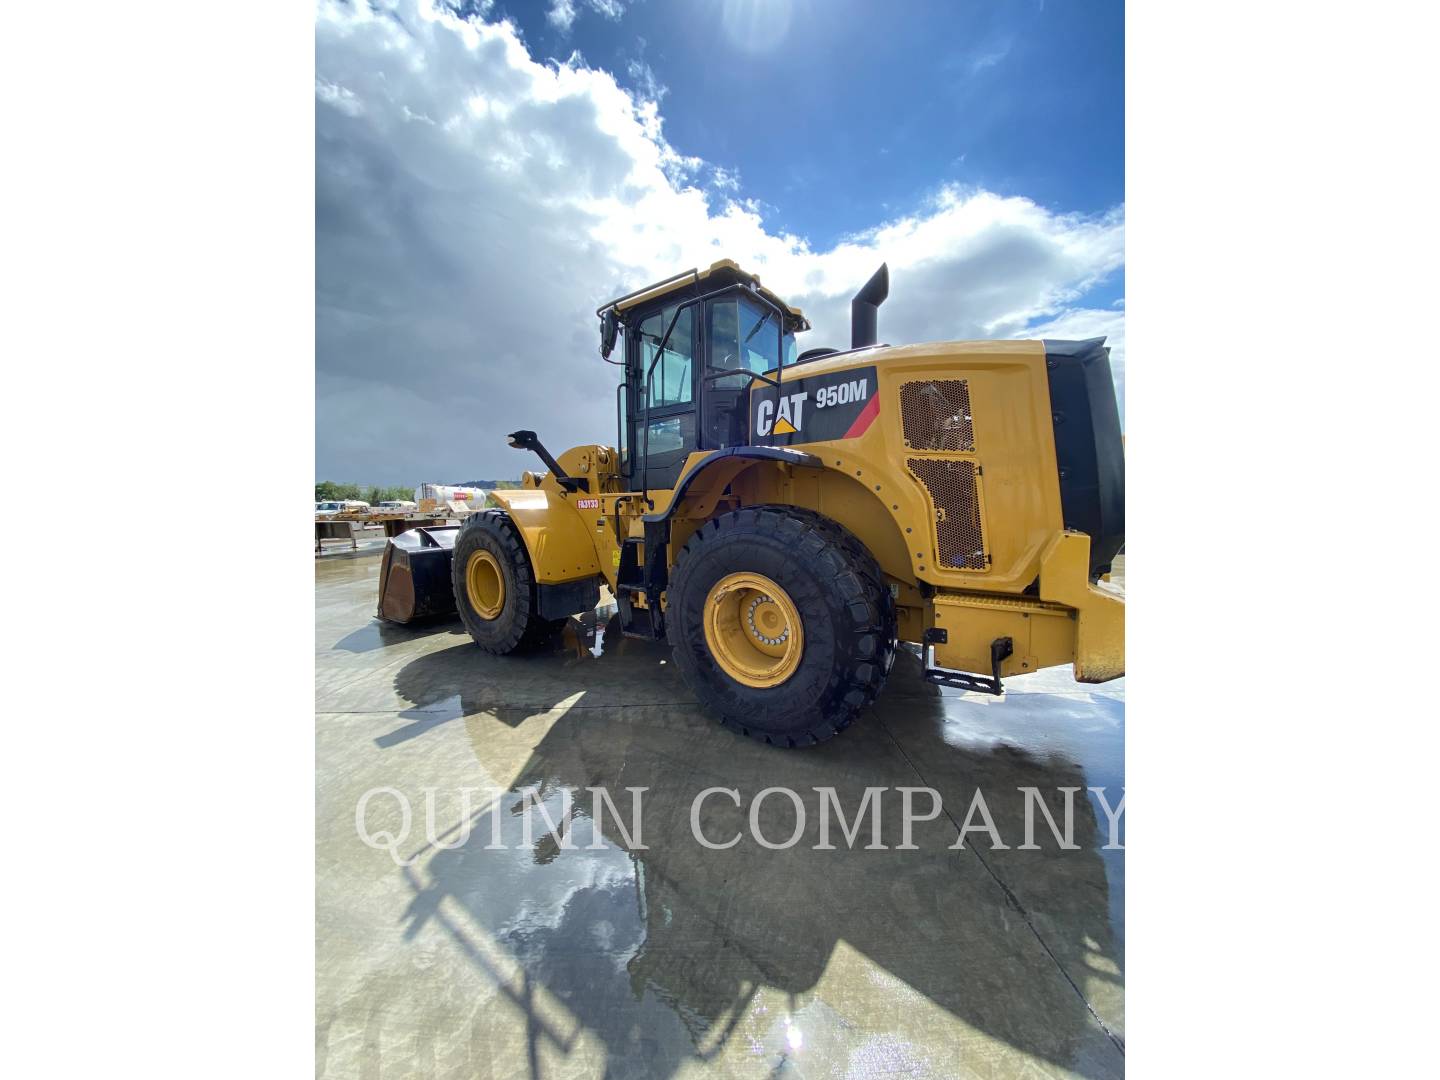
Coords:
415,574
568,598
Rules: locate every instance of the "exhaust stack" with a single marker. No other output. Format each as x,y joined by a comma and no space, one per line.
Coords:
865,309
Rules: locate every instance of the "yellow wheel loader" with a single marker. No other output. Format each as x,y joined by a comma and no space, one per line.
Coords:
784,519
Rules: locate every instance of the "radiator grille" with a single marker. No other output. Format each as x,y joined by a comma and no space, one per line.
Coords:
959,538
936,415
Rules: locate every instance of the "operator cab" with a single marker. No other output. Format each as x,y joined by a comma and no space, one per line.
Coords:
690,347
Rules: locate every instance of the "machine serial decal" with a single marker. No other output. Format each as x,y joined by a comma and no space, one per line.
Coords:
835,405
587,504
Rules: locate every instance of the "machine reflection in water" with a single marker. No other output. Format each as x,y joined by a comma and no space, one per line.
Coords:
680,954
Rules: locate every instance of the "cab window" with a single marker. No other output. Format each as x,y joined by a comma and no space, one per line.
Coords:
759,337
744,337
671,381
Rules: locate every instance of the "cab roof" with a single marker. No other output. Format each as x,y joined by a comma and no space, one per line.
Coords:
718,275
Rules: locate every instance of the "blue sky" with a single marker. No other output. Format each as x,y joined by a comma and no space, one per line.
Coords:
841,113
487,173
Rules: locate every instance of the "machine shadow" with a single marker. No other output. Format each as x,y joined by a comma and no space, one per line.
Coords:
380,634
462,681
659,951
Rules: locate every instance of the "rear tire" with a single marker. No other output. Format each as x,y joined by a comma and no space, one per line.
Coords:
846,624
495,585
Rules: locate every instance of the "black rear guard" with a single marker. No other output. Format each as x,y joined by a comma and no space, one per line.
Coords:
1088,448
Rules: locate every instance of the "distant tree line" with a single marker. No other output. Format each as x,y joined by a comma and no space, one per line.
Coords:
329,491
489,485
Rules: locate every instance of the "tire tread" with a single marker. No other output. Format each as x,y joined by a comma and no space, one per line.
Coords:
524,628
846,569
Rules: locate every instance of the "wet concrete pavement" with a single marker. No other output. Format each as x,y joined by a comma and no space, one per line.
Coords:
491,956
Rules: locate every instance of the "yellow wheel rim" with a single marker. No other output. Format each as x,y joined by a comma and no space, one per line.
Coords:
485,584
753,630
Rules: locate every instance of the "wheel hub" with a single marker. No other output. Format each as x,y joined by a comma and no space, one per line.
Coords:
770,618
485,584
753,630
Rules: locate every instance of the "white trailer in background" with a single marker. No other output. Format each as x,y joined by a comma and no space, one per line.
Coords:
447,493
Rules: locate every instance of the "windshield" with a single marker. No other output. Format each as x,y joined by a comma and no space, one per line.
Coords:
744,337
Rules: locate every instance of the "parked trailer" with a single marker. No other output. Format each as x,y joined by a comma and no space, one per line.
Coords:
444,493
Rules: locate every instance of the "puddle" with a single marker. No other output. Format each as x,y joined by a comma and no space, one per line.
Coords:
795,962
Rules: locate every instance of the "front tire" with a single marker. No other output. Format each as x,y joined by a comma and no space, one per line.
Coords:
495,585
781,623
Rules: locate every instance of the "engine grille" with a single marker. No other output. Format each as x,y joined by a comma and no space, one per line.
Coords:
935,415
960,540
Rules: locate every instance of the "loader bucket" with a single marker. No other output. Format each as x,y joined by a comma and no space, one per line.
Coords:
415,574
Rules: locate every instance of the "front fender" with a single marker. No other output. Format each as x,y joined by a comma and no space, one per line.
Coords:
738,456
555,535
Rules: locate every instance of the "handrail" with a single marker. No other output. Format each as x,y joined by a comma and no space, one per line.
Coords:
620,446
649,288
659,352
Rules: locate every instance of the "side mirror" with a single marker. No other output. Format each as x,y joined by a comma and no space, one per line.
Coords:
609,329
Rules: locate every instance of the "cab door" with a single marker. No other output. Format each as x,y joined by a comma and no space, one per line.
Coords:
663,413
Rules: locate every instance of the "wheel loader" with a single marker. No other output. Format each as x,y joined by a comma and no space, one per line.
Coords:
784,519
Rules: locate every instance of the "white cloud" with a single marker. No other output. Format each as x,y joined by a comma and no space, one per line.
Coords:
473,207
338,96
725,179
989,57
562,13
643,76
